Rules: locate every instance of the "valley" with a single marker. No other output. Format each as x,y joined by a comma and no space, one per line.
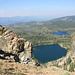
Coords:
37,37
40,34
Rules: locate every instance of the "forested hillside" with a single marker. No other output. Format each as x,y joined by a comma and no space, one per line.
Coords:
67,18
41,32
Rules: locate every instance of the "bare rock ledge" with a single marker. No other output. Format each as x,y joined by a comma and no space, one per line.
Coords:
14,47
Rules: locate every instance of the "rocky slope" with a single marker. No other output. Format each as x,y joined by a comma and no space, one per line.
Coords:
73,49
15,68
14,47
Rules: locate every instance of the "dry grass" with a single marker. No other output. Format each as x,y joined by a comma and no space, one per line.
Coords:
13,68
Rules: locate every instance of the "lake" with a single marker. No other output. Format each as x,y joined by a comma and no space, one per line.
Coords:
46,53
60,33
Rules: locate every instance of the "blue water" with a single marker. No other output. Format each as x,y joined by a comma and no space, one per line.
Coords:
60,33
46,53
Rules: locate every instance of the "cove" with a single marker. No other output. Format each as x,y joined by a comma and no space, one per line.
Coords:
46,53
60,33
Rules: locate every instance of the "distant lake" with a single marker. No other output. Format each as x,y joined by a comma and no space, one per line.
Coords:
46,53
60,33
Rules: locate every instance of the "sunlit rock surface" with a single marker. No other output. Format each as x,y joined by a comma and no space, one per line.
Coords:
12,45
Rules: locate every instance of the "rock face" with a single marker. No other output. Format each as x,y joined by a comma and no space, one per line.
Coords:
14,47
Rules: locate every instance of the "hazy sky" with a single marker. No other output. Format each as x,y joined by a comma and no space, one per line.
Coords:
51,8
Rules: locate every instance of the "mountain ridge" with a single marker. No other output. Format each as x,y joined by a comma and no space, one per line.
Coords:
10,20
65,18
17,19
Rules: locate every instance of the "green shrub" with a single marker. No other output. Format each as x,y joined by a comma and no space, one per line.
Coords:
65,66
1,63
69,60
26,71
67,73
71,69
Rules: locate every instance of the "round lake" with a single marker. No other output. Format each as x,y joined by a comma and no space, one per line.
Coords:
46,53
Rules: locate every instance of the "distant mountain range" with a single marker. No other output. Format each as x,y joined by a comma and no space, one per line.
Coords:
11,20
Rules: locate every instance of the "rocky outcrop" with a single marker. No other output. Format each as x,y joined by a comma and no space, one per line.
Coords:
14,47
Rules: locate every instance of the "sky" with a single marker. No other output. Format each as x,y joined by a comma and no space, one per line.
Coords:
47,8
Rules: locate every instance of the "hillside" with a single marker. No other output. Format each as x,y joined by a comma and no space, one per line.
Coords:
67,18
41,31
44,24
